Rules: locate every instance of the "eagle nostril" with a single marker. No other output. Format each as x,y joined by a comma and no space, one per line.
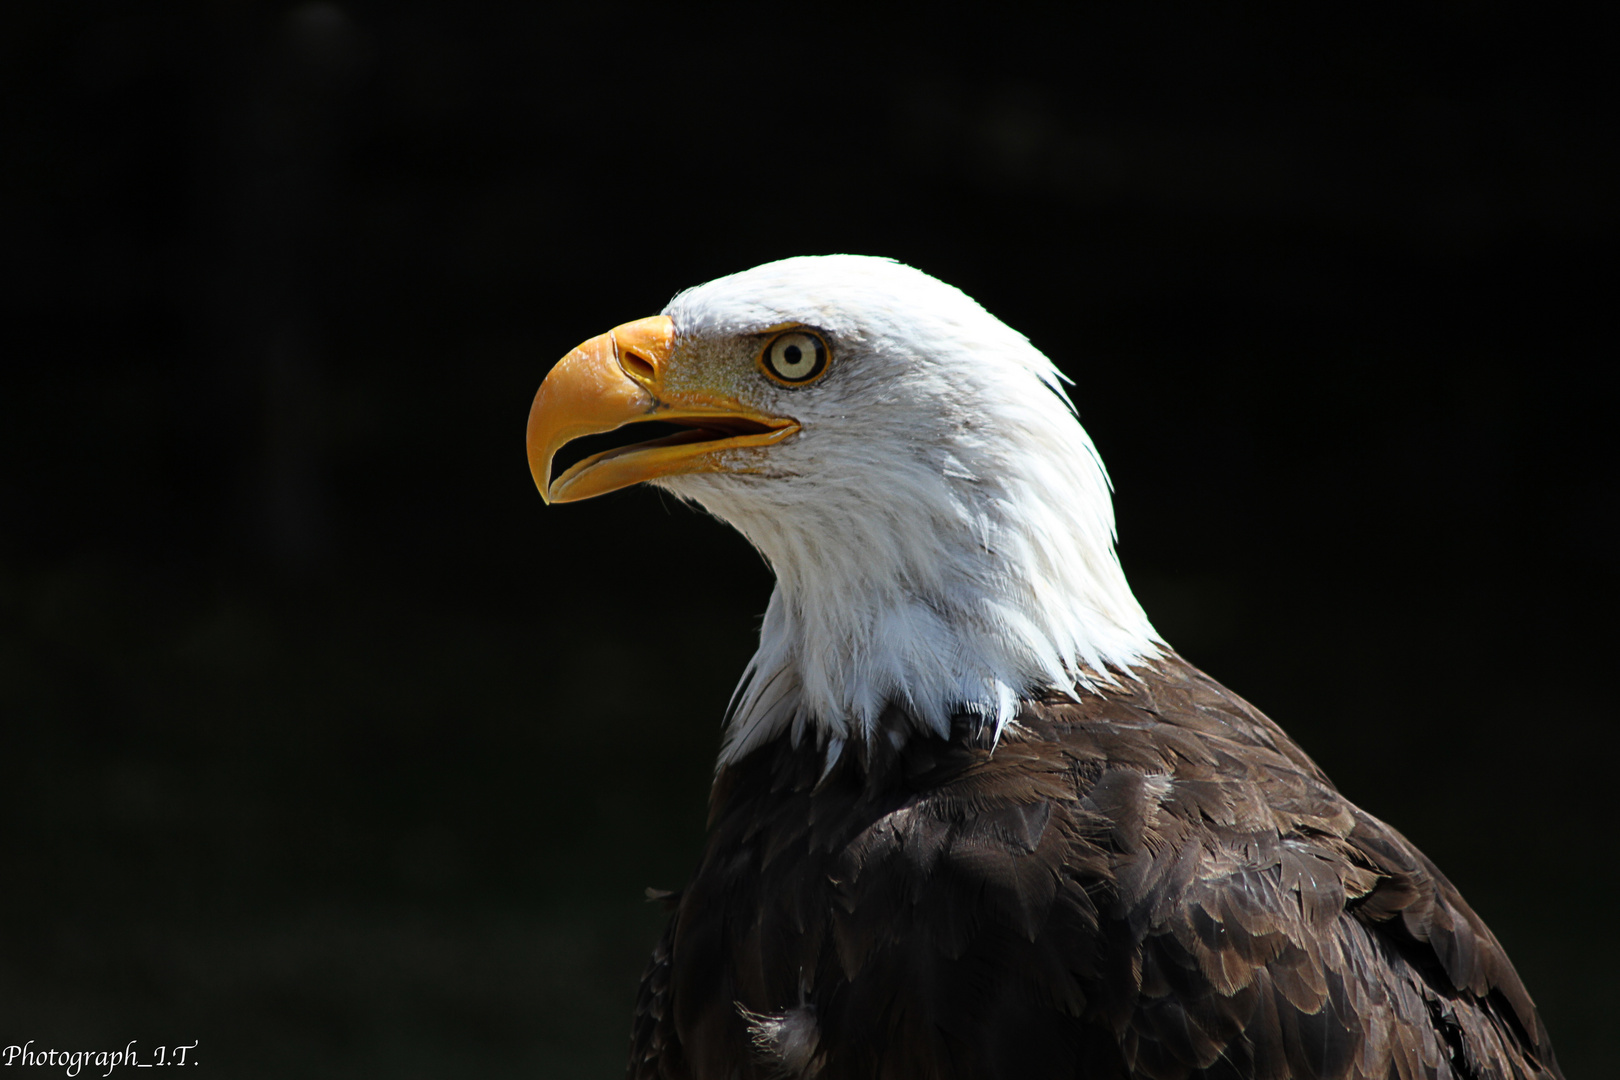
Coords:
637,367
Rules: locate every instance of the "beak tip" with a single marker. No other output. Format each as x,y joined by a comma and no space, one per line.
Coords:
541,485
545,481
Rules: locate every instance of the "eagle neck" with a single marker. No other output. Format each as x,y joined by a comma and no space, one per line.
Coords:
896,614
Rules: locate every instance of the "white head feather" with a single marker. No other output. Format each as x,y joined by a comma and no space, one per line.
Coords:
941,528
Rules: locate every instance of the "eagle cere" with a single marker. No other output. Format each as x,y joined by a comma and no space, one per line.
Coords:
972,817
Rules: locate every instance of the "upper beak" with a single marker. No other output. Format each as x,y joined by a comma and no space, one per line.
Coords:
618,378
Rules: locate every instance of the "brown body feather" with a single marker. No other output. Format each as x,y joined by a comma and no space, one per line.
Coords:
1154,882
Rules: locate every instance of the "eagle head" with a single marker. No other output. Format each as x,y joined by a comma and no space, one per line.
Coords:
938,522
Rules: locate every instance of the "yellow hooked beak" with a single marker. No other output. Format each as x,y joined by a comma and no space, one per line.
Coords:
618,378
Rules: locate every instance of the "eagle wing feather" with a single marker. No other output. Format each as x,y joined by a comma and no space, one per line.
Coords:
1151,883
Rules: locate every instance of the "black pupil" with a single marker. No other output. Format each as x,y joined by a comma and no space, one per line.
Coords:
791,354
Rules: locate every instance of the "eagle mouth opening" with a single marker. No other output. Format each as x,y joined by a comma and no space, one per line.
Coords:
632,438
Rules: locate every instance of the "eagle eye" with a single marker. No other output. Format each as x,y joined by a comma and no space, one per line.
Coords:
796,357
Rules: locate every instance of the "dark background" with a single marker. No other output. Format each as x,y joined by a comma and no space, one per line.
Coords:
325,744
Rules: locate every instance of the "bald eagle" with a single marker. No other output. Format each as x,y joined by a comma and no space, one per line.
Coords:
972,816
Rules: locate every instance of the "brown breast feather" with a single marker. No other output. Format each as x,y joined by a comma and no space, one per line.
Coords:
1150,882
